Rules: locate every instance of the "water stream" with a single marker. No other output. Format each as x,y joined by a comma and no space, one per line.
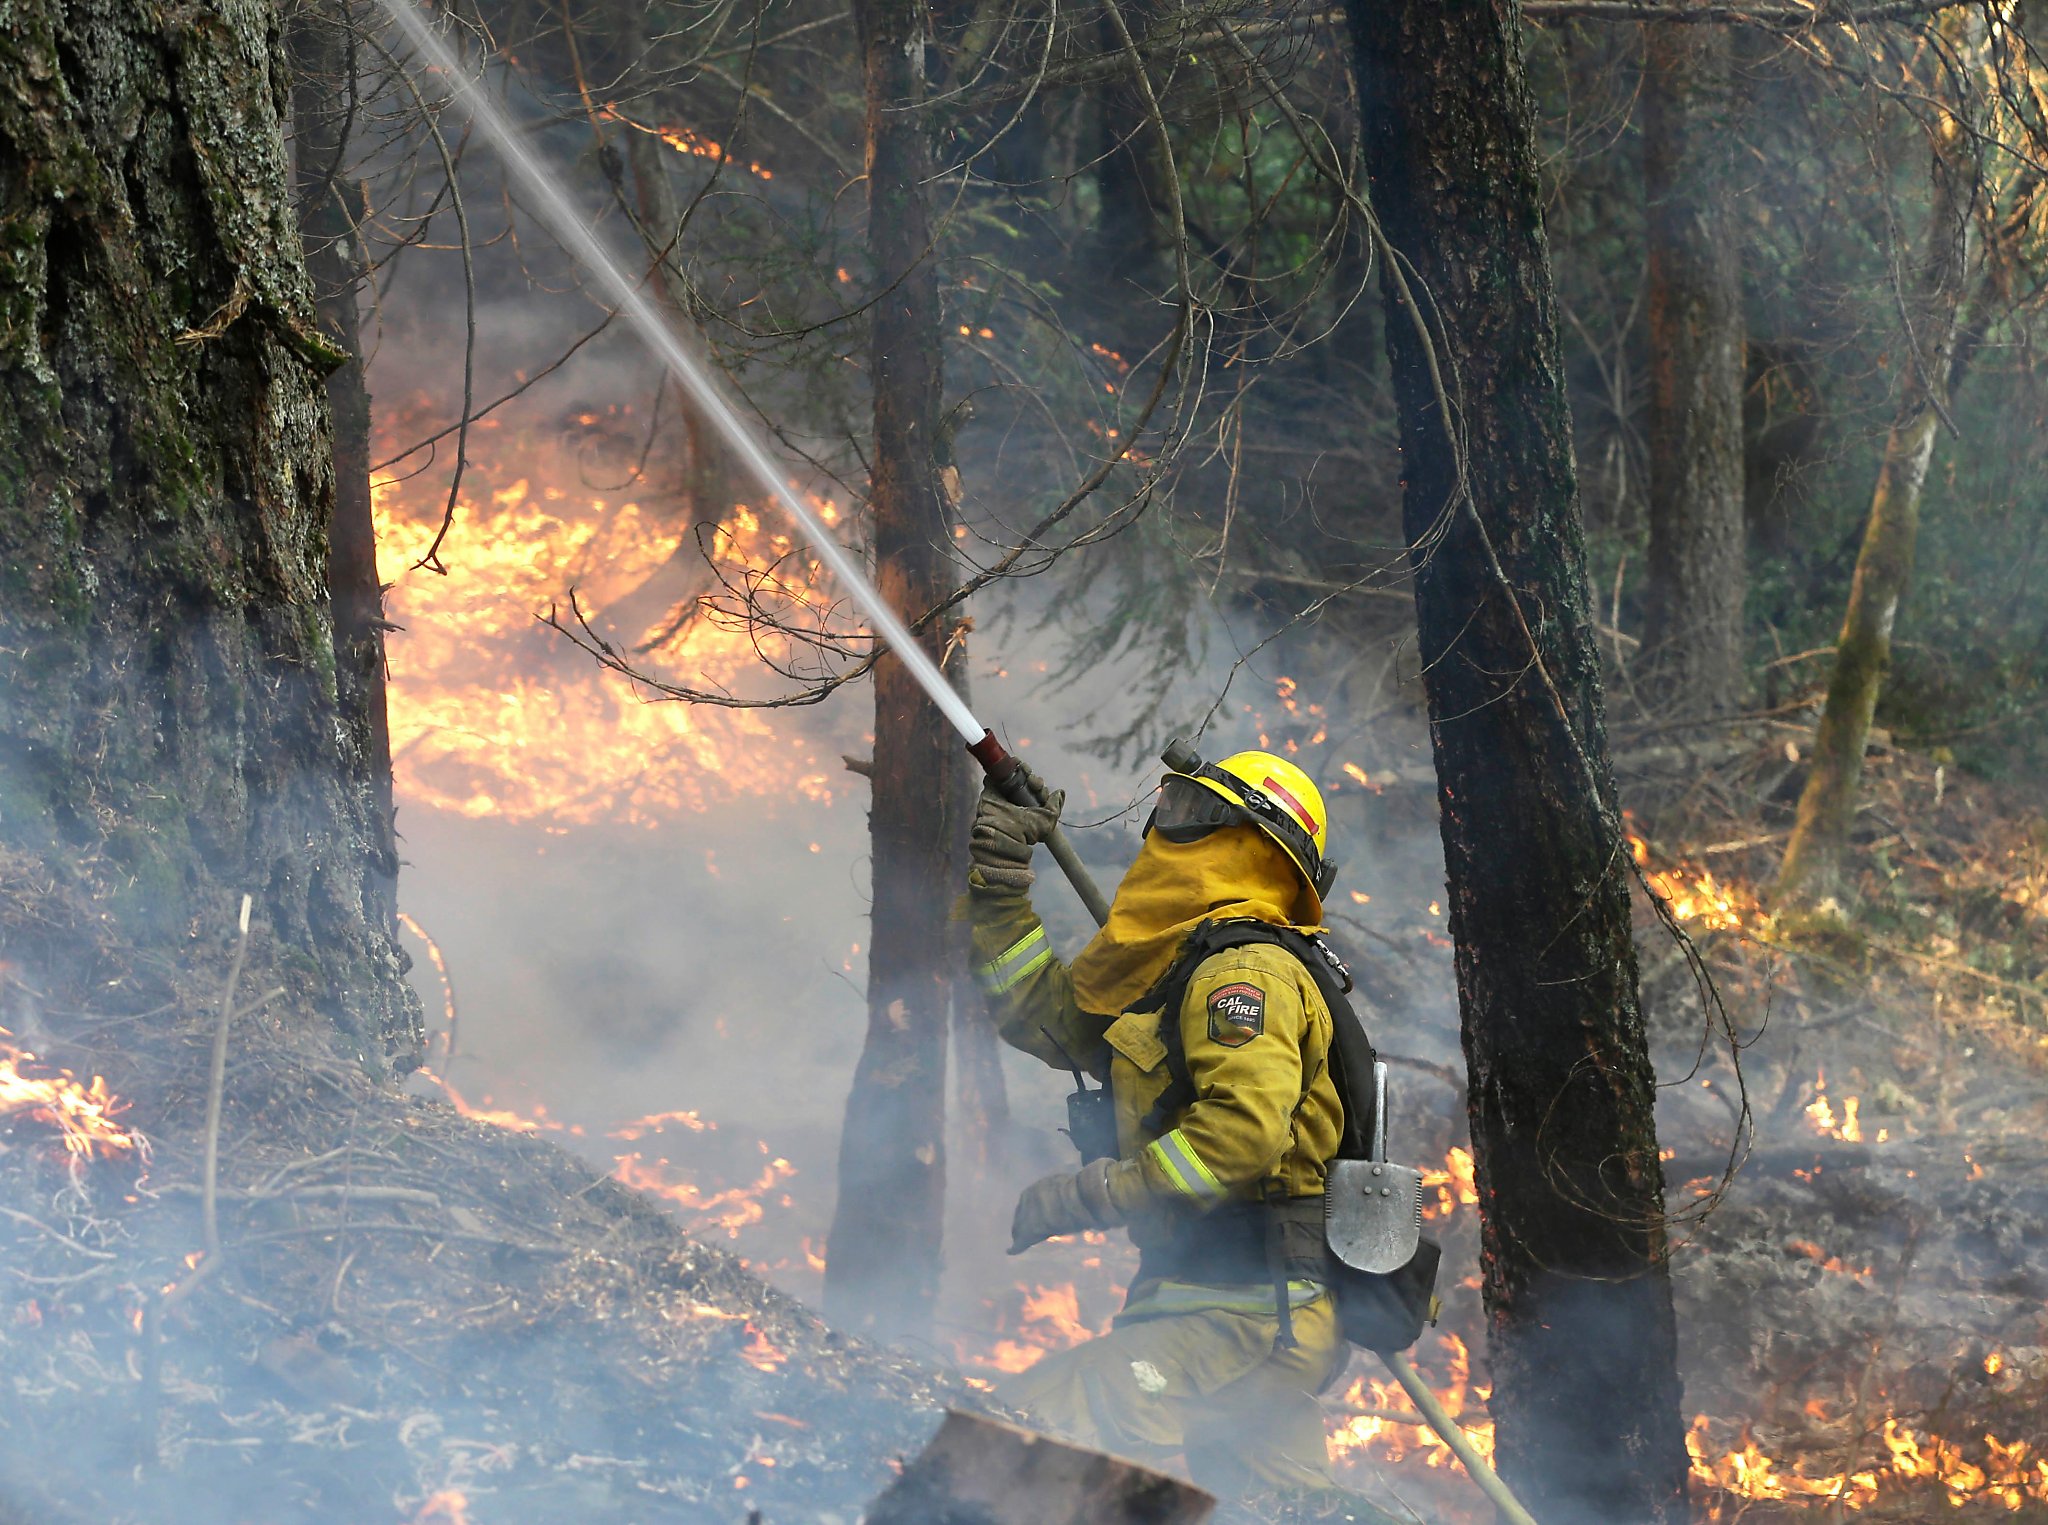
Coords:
657,328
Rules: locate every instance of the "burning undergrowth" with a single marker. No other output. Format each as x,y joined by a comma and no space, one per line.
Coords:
501,1333
413,1315
420,1315
1862,1316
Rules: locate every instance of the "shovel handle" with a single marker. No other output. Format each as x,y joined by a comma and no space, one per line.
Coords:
1007,774
1454,1436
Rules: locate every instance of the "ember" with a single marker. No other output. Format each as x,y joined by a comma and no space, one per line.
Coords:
449,1506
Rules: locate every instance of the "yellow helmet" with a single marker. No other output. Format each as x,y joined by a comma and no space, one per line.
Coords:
1255,788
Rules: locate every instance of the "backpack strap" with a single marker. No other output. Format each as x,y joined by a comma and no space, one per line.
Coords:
1351,1053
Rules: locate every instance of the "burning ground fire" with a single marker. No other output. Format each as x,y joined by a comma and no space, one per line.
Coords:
1697,897
726,1212
2012,1474
1382,1425
492,716
82,1113
481,704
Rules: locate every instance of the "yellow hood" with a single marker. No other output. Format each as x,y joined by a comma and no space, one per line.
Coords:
1232,874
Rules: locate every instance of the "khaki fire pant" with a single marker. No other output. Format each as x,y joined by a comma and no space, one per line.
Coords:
1205,1382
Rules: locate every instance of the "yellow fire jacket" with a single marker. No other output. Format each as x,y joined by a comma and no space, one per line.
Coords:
1256,1034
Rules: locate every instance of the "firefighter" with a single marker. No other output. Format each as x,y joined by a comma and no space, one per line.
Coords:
1225,1118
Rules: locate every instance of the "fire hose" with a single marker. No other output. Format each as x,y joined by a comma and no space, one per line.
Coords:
660,331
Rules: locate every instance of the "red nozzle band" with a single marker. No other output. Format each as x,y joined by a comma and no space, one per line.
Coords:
1003,770
997,763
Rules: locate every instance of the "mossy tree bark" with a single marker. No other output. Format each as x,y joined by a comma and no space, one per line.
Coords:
326,118
1812,867
170,732
1692,638
1582,1339
882,1273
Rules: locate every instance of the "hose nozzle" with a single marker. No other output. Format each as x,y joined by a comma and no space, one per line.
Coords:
1003,769
1008,775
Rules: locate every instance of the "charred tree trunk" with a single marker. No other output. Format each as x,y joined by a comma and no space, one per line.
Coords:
882,1275
170,706
1811,870
325,115
1692,640
1582,1340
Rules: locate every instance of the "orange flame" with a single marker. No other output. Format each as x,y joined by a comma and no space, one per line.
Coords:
1385,1426
2011,1475
440,962
731,1210
500,1117
82,1112
492,715
450,1506
1697,896
1848,1127
654,1122
1050,1320
1454,1185
759,1353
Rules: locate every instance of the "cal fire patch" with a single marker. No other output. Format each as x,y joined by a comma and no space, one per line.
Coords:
1237,1014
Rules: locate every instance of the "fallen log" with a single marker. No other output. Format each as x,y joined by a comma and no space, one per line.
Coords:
979,1471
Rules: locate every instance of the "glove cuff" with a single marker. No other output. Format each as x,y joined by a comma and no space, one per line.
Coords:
1092,1185
988,876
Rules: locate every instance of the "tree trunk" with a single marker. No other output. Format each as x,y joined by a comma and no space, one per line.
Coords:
666,596
1133,203
705,494
1692,640
170,711
882,1275
1812,868
1582,1337
325,118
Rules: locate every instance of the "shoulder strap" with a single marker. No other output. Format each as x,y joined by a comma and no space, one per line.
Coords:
1351,1052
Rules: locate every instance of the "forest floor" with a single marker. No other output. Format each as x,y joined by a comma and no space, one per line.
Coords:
417,1316
1864,1306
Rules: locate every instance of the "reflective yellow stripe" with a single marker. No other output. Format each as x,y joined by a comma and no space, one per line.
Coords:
1016,963
1188,1297
1184,1168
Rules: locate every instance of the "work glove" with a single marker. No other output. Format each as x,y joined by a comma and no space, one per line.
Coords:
1064,1204
1004,833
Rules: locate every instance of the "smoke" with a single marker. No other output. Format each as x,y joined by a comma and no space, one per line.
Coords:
688,934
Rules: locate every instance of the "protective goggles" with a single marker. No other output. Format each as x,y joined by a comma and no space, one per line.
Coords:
1187,812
